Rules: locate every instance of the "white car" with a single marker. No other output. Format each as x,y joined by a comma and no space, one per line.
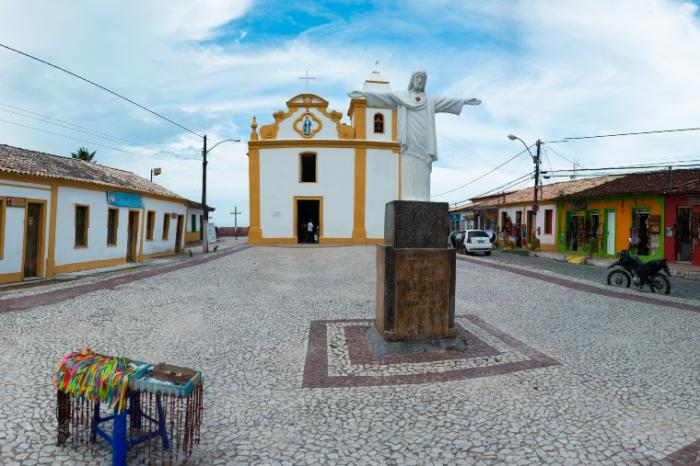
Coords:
476,241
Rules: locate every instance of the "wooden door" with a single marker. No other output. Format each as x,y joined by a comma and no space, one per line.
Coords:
178,233
132,236
32,233
610,239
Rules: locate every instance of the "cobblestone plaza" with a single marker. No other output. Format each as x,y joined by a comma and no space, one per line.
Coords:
556,374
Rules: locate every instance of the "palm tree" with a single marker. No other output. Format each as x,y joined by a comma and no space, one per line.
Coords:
84,154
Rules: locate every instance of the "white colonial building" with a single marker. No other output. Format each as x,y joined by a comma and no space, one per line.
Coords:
59,214
309,166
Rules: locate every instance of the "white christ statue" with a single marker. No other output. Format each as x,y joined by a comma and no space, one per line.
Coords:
416,130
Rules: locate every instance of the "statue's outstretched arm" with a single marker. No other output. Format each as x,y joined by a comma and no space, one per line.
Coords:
375,99
452,105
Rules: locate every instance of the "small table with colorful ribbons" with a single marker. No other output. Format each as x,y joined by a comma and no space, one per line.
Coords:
148,394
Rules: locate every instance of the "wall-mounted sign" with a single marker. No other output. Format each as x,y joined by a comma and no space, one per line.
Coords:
16,202
579,205
211,232
133,201
455,217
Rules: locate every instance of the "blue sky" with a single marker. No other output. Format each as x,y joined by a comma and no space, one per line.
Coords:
544,69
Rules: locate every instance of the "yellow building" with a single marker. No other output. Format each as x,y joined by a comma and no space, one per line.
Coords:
613,216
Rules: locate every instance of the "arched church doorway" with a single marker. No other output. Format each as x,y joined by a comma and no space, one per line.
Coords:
308,210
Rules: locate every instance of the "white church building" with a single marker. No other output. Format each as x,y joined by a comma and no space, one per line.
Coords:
309,166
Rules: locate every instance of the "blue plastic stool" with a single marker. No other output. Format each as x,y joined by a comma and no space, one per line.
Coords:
119,440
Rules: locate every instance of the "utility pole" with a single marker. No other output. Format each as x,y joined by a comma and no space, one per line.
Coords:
235,214
537,174
205,209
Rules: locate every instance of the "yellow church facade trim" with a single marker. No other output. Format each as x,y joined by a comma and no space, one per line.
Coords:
255,232
305,101
359,234
328,143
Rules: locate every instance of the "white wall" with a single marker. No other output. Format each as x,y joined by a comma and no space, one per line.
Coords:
328,127
544,239
161,207
550,238
97,248
382,187
371,135
66,252
279,183
12,260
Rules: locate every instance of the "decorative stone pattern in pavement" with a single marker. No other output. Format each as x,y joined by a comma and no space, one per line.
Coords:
627,390
687,456
490,352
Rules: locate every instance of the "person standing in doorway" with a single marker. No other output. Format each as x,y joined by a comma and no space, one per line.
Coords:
310,232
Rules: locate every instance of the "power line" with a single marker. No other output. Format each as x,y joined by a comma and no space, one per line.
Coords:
593,174
100,87
85,140
51,119
562,156
65,136
636,133
546,155
482,176
685,163
69,126
510,184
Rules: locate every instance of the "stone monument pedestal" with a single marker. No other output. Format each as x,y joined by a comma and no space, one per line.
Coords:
415,280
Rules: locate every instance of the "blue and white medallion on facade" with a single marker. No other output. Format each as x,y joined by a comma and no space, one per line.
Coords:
307,125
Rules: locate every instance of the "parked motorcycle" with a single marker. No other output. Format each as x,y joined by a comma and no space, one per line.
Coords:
630,270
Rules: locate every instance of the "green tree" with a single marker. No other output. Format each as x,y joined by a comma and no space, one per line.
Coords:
84,154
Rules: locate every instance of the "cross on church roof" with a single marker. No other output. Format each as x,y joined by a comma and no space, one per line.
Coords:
307,77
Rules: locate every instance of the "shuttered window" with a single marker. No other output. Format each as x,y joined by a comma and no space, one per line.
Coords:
166,226
150,224
82,219
112,225
548,221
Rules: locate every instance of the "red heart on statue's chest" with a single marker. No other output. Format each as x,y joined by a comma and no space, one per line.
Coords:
417,98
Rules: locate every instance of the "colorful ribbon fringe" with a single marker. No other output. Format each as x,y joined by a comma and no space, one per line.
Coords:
95,377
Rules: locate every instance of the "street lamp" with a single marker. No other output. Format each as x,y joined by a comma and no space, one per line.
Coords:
205,208
156,172
536,161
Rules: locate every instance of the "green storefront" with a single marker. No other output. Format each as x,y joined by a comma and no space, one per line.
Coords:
603,226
